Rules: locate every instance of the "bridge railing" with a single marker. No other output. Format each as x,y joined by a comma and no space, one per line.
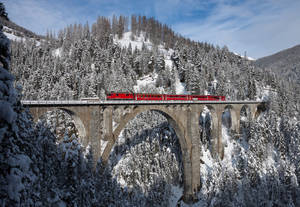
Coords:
88,102
57,102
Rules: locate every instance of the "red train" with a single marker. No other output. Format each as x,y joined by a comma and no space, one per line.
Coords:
162,97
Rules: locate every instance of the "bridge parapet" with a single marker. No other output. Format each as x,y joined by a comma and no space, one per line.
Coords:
85,102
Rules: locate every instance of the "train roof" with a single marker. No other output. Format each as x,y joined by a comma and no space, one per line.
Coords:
161,94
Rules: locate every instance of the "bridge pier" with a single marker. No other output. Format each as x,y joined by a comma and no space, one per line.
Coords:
107,122
236,123
193,133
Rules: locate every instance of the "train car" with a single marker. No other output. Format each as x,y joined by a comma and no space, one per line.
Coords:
207,98
177,97
120,96
149,97
162,97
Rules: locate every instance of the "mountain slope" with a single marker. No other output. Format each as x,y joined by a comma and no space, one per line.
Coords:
285,63
11,28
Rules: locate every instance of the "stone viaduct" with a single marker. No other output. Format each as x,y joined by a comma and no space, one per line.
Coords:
100,123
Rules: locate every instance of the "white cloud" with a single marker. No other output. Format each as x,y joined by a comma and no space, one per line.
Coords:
260,28
39,16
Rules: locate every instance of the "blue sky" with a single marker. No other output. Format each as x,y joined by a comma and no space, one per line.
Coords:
259,27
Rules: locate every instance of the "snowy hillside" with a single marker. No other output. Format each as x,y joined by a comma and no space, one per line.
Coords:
134,41
149,80
11,34
14,35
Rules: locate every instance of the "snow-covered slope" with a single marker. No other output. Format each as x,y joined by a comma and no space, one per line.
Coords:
136,42
148,81
17,36
242,56
12,34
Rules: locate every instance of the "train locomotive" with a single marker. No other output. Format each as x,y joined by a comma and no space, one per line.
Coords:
161,97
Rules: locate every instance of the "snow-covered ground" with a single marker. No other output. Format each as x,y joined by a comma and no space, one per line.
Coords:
150,79
136,43
264,93
10,34
179,86
14,37
57,52
242,56
147,82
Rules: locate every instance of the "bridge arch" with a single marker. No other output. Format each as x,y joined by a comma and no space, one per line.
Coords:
174,121
39,112
78,123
